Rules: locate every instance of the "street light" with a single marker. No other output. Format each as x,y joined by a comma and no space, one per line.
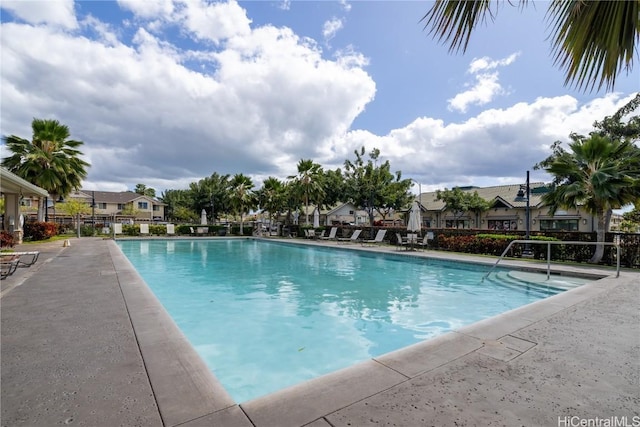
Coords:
525,194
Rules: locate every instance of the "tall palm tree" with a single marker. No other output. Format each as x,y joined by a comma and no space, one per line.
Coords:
309,181
599,173
242,196
591,40
50,160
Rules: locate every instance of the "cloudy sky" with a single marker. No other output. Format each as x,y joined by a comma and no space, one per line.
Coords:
167,92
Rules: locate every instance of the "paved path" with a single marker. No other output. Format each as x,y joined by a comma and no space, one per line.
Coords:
85,343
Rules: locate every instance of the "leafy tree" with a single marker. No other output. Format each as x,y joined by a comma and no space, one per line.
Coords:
308,182
145,191
129,210
211,194
243,198
75,208
591,40
177,204
50,160
333,186
272,197
372,187
460,202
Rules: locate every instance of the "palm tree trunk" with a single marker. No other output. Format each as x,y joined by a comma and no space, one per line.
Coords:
600,236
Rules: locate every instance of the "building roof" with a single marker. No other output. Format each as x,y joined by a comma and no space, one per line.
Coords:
122,197
505,194
12,183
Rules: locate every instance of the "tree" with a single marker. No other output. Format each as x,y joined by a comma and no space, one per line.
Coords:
75,208
599,173
145,191
373,187
50,160
272,197
242,196
460,202
591,40
177,205
309,183
211,194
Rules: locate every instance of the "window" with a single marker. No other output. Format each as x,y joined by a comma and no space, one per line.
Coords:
120,206
156,208
143,205
461,223
26,202
101,205
501,224
559,224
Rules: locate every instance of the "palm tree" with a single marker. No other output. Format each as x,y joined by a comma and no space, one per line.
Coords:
309,182
592,40
50,160
599,173
242,196
272,197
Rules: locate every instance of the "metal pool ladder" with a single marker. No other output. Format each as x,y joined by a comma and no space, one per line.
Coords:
549,243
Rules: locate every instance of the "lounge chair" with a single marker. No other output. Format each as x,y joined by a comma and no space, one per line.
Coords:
8,265
377,240
354,237
310,233
25,259
332,234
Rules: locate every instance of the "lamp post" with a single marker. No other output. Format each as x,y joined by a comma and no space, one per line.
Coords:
525,194
93,211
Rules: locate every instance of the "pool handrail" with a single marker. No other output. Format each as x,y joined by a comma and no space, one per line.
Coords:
549,243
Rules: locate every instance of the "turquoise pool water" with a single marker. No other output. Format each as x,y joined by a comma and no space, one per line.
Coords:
266,315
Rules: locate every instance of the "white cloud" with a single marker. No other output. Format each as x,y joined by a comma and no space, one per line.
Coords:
148,9
330,28
486,86
59,13
215,21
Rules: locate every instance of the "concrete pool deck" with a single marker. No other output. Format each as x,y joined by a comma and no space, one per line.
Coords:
84,342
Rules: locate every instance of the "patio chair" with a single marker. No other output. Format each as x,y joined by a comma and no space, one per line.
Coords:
401,241
424,243
25,259
377,240
354,237
332,234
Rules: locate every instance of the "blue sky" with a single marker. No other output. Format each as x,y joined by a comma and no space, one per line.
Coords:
167,92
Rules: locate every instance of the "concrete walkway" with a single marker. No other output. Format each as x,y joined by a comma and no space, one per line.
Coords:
84,342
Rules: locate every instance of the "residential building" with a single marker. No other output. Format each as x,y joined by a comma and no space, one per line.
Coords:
507,212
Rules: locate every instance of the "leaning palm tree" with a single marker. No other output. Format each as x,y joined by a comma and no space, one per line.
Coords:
242,196
50,160
308,181
592,40
599,173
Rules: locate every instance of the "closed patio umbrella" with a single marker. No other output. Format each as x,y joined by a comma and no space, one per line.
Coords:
203,217
316,218
415,221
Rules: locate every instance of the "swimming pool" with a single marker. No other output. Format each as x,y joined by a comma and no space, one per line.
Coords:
266,315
